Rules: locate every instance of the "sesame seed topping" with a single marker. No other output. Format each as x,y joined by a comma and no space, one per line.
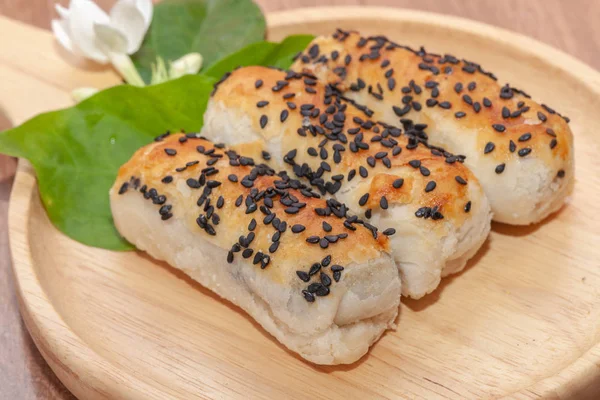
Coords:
363,199
525,137
524,151
263,121
499,127
171,152
383,203
489,147
500,168
460,180
430,186
397,184
123,188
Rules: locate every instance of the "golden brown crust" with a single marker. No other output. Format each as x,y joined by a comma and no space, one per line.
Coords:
435,90
341,138
153,172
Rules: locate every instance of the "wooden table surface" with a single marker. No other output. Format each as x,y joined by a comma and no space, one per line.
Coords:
567,25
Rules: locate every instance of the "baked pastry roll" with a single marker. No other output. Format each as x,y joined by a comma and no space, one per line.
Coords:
312,275
424,198
521,151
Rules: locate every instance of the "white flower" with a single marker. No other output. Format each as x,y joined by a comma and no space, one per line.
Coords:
82,93
84,29
187,65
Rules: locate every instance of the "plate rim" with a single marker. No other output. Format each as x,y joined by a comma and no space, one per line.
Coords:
72,368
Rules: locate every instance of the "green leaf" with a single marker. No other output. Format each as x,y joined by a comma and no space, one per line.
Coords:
213,28
77,152
278,55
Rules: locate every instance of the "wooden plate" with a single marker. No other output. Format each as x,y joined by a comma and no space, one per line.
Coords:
523,320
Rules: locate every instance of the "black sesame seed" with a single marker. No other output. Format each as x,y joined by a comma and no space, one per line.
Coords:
263,121
561,173
316,267
363,199
525,137
123,188
171,152
459,114
460,180
398,183
389,231
337,275
298,228
489,147
553,143
167,179
303,276
445,105
415,163
322,290
284,115
500,168
505,112
430,186
541,116
262,103
324,243
233,178
313,239
424,171
468,206
499,127
308,296
487,102
193,183
383,203
258,83
325,279
512,146
327,227
524,151
273,248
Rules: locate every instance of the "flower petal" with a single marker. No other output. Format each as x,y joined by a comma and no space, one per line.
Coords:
146,7
129,20
110,39
187,65
63,12
59,27
83,15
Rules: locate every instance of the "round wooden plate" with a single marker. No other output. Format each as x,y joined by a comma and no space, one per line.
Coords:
522,321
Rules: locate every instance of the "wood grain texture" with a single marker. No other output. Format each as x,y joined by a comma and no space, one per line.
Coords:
570,26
